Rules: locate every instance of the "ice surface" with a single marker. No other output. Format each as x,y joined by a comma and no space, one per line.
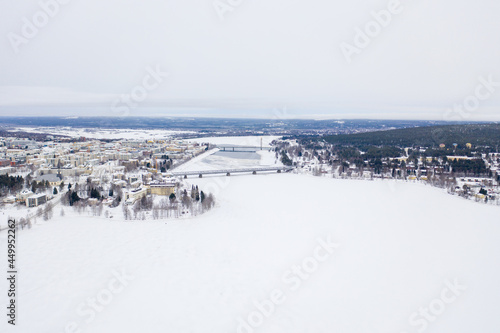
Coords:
399,243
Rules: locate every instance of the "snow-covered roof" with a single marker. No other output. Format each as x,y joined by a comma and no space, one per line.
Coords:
49,177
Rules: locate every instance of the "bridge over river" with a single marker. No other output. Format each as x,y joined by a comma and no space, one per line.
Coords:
228,172
241,149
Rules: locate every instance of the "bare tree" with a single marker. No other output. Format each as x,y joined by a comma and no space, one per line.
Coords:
186,200
209,202
22,222
156,212
146,203
126,212
137,208
164,208
99,209
39,211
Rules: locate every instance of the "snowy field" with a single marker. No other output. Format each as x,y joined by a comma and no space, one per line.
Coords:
395,249
103,133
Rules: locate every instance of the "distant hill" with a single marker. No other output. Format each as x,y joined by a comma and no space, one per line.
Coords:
431,136
278,124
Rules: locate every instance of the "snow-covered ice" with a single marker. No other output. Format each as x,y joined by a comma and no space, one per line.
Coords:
218,160
238,140
398,245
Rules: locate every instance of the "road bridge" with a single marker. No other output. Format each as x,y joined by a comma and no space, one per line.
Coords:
228,172
241,149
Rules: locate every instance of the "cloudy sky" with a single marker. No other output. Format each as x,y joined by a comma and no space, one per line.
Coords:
434,59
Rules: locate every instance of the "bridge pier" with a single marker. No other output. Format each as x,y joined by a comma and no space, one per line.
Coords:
185,176
254,173
201,175
228,174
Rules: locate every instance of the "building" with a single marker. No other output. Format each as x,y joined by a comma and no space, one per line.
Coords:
456,158
36,200
163,188
66,172
132,196
21,197
7,170
9,200
53,179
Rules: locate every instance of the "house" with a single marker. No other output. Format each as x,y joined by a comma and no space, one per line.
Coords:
120,183
480,196
9,200
92,202
36,200
21,197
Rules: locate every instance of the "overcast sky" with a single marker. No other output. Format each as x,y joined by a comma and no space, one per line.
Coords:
261,58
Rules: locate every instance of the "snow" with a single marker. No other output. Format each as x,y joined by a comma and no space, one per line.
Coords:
238,140
142,134
398,244
103,133
219,160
